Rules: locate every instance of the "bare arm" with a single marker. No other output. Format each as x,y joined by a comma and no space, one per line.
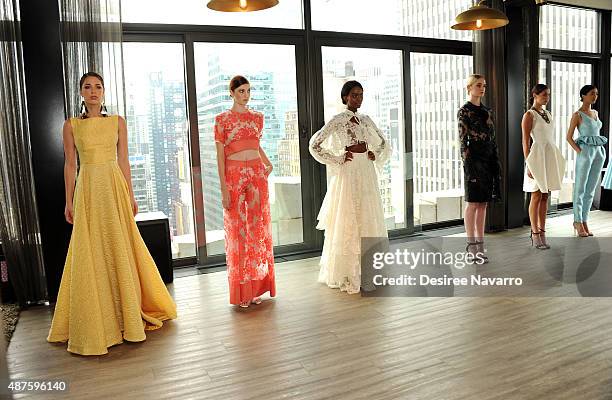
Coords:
70,169
122,154
225,198
124,161
574,122
527,126
221,164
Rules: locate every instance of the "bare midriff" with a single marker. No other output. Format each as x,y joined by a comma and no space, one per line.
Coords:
359,147
244,155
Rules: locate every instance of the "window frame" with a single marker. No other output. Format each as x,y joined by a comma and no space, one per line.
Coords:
308,44
600,62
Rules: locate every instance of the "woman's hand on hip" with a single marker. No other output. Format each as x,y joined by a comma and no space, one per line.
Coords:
268,170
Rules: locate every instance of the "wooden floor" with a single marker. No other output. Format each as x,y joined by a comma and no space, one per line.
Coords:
312,342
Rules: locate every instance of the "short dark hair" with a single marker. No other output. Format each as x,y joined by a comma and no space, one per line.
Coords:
537,89
88,74
347,87
586,89
238,81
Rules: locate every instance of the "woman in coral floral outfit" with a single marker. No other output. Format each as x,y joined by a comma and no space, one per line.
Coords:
243,174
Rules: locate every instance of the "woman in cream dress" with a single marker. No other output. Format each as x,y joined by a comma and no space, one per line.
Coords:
352,148
545,165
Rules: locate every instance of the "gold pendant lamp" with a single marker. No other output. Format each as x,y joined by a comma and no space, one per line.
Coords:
480,18
240,5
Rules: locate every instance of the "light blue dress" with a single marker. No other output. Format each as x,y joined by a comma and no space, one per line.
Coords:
589,163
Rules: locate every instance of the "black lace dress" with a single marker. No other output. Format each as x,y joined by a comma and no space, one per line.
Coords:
481,166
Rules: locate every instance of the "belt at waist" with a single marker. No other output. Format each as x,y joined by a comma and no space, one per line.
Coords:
83,163
594,140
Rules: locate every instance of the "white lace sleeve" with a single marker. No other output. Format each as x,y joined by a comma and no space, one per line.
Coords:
317,148
382,150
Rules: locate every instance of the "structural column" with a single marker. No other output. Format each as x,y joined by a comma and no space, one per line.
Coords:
42,54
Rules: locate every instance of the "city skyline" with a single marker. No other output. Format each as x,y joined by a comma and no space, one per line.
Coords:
159,139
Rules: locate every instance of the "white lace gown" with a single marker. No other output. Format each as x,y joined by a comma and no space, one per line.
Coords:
352,207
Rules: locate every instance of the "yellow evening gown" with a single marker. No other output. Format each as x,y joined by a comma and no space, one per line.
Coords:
111,289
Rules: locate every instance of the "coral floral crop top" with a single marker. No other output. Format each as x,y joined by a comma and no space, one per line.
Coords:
239,131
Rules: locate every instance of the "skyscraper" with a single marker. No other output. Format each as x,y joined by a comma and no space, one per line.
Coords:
167,124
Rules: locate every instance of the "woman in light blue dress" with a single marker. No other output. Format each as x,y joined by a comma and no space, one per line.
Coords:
590,157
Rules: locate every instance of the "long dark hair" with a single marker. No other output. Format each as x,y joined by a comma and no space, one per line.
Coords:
585,90
84,110
346,89
537,89
238,81
87,75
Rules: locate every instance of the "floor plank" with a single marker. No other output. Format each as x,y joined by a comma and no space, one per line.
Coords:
312,342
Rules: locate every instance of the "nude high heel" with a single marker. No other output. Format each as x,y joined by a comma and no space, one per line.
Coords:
586,229
579,230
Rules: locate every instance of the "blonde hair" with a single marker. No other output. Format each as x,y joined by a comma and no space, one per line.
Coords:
472,79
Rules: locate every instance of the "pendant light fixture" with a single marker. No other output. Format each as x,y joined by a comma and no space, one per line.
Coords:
480,18
240,5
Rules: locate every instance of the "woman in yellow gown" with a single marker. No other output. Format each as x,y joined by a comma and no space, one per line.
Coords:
111,289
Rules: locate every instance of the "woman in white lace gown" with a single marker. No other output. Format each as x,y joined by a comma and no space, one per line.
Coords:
352,148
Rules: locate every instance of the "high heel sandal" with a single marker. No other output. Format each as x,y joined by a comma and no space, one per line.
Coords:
472,254
586,229
579,230
543,238
480,248
244,304
535,237
256,300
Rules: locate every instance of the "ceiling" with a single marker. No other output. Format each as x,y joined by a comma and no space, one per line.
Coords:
601,4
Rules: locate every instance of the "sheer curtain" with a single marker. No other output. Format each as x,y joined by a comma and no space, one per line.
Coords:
92,41
19,230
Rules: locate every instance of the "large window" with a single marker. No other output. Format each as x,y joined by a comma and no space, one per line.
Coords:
287,14
570,30
380,73
438,90
565,28
158,137
567,79
542,78
419,18
272,73
422,182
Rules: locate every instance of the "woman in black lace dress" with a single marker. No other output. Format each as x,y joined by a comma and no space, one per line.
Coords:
481,165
